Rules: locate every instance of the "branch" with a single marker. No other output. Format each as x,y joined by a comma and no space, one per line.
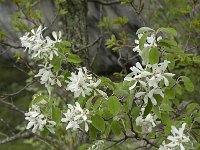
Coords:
9,45
105,2
12,106
89,45
117,143
16,137
17,92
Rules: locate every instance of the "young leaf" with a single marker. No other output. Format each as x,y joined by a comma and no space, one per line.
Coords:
144,29
148,108
56,114
166,107
98,122
188,84
191,107
167,43
115,127
143,40
114,105
153,56
169,31
74,59
93,132
135,112
145,55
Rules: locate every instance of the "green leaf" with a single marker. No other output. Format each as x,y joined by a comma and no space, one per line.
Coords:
98,122
166,107
106,113
171,80
120,20
56,114
66,43
144,29
148,108
167,42
178,89
170,93
107,131
169,31
156,111
45,132
143,40
92,132
107,82
56,64
135,112
83,147
105,23
114,105
165,118
188,84
171,58
72,58
191,107
145,55
115,127
153,56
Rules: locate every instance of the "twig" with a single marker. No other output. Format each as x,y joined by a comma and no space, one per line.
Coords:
89,45
101,34
117,143
16,136
12,106
10,45
108,2
138,13
17,92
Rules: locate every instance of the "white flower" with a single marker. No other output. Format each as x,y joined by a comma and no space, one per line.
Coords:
164,146
149,79
75,116
99,145
37,120
47,76
146,123
150,41
138,72
38,46
149,95
81,83
176,139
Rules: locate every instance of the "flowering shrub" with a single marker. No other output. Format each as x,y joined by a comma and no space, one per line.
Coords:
142,106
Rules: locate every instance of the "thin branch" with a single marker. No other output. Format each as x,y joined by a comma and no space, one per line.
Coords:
89,45
16,137
12,106
138,13
101,34
108,2
10,45
17,92
117,143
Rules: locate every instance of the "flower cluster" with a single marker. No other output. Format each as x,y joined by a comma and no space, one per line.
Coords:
149,78
148,122
99,145
75,116
38,46
176,140
38,121
150,42
48,78
82,83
